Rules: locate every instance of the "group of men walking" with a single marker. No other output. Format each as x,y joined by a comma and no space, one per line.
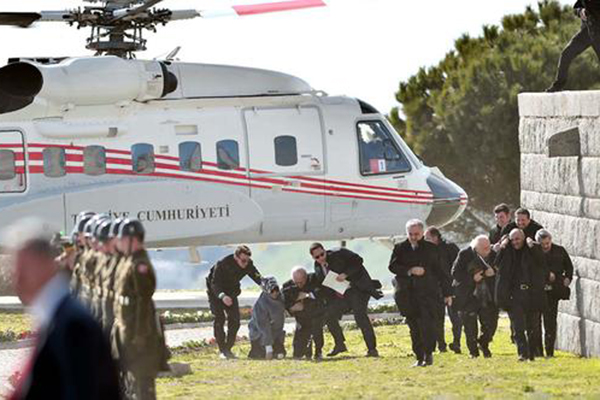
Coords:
113,276
516,268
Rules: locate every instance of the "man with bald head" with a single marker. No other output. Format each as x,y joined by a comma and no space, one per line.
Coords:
71,358
300,298
522,276
474,281
420,282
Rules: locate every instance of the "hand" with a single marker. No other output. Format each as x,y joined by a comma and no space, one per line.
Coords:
567,282
505,242
583,14
228,301
341,277
552,277
417,271
448,301
530,242
297,308
490,272
302,296
497,247
478,277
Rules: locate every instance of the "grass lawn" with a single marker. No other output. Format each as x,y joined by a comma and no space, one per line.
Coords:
354,376
16,321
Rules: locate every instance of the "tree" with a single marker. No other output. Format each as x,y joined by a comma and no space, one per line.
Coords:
462,114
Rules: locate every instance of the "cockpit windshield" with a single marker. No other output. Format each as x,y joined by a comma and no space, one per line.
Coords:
379,151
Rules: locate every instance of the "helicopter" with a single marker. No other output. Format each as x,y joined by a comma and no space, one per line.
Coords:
202,154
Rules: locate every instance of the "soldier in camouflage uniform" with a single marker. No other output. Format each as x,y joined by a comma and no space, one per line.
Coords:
92,266
104,255
137,339
80,248
107,277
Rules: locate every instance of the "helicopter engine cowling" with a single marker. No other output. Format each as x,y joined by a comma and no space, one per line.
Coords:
91,81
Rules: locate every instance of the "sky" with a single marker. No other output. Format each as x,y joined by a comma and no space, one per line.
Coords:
359,48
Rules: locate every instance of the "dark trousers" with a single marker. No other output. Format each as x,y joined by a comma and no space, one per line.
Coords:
335,309
422,330
588,36
222,313
309,326
525,323
487,318
550,316
357,301
440,331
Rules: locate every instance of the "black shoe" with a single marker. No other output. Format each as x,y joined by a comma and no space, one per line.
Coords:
522,358
337,350
485,350
318,356
455,348
474,355
418,363
373,353
428,359
443,349
230,355
549,353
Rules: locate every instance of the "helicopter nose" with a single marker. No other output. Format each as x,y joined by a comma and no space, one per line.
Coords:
449,200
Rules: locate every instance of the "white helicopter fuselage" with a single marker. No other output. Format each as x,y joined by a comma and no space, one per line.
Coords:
218,155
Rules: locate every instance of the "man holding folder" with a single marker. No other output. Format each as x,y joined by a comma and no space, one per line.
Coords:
347,267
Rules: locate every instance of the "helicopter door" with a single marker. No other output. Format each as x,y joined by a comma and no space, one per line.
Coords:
12,162
285,145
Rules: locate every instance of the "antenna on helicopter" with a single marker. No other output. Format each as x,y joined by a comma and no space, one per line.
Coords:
118,25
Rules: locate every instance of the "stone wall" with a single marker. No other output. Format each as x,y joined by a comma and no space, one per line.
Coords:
560,183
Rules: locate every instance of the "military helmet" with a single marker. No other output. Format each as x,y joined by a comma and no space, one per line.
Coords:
90,227
80,227
102,231
132,228
115,226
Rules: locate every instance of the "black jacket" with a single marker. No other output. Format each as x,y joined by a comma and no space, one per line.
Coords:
448,253
559,262
291,291
344,261
522,277
225,277
532,229
467,264
74,361
591,6
496,233
413,292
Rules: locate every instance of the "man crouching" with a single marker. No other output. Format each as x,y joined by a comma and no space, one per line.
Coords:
266,325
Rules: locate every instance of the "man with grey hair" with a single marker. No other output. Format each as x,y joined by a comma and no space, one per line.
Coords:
474,281
520,288
559,278
419,278
301,301
71,357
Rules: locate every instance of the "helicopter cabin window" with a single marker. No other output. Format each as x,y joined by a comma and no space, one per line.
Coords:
228,155
8,169
142,158
94,160
286,151
190,156
379,153
55,162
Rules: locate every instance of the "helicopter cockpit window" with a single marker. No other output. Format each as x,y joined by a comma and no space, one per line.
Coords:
94,160
190,156
286,151
55,162
143,158
228,155
379,153
7,165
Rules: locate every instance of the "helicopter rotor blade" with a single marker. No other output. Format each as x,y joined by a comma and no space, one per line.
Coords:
20,19
245,10
132,12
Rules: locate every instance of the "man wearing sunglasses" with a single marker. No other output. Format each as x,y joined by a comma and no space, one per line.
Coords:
349,267
223,288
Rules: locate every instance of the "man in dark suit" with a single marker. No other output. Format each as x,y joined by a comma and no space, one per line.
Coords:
474,282
504,224
524,222
520,289
588,36
349,267
419,280
71,358
223,288
448,252
560,269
